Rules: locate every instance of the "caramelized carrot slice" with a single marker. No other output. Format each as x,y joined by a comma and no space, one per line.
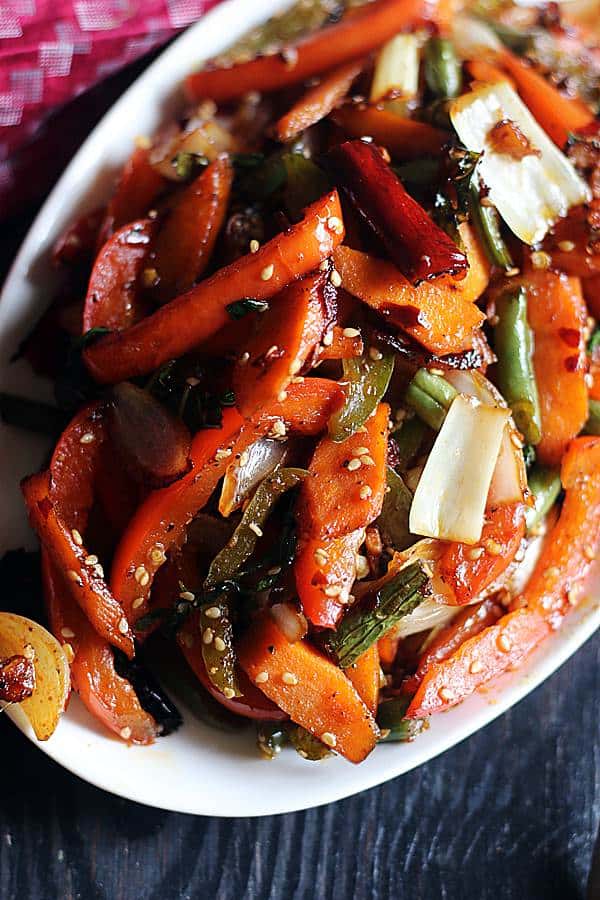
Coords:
341,345
557,315
318,101
485,71
469,570
325,570
307,406
439,314
284,338
108,697
309,687
185,242
572,249
364,675
137,188
403,138
353,37
112,299
346,484
201,312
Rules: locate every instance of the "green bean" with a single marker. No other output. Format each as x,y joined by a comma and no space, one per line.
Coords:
592,426
487,225
366,381
271,737
430,396
393,725
513,343
393,519
436,386
443,71
307,745
544,484
370,619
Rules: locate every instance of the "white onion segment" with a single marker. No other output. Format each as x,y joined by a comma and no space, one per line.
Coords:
52,677
396,72
243,476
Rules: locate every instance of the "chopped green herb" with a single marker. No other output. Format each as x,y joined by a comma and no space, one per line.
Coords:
241,308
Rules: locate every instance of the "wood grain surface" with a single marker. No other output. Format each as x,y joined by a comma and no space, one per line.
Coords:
510,814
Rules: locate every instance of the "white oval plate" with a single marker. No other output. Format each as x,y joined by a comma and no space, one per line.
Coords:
197,770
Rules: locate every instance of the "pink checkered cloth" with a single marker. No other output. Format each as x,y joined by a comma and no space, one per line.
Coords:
52,51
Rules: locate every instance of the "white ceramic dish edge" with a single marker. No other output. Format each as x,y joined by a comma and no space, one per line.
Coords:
199,770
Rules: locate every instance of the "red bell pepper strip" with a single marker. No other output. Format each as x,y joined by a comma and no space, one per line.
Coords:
403,138
186,239
346,483
108,697
325,570
137,188
553,589
193,317
353,37
113,299
557,315
469,570
318,101
419,247
86,584
252,704
309,687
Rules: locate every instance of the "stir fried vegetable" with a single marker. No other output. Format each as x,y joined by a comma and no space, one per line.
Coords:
318,436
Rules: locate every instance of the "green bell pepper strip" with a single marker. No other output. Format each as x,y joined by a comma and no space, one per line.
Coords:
443,70
393,518
409,437
305,183
218,652
307,745
366,381
515,375
370,619
393,725
544,484
592,426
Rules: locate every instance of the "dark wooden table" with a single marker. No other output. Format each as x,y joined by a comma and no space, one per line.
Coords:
511,813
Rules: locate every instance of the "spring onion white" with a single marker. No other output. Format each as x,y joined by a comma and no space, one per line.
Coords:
397,70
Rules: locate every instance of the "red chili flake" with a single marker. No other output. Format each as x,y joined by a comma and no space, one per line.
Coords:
570,336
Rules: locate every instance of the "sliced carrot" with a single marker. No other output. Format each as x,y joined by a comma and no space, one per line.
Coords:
137,188
557,114
572,249
325,570
468,623
309,687
339,495
318,101
469,570
353,37
113,299
403,138
307,406
388,648
185,242
193,317
557,315
86,584
439,314
485,71
341,345
283,340
108,697
364,675
553,589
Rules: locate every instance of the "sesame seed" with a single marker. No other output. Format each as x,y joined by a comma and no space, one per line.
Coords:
335,278
354,464
321,557
139,601
298,379
274,570
475,552
516,441
213,670
552,572
76,537
566,246
219,644
207,636
91,560
324,265
362,566
493,547
254,246
229,693
123,625
87,438
213,612
281,396
139,574
335,224
67,633
510,273
365,492
589,552
244,458
375,354
261,677
73,575
244,358
186,595
295,366
573,596
351,332
289,678
328,339
367,460
589,380
475,667
385,732
99,571
69,652
267,272
329,739
360,451
504,643
279,428
223,453
540,260
333,590
446,694
256,529
125,733
150,278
